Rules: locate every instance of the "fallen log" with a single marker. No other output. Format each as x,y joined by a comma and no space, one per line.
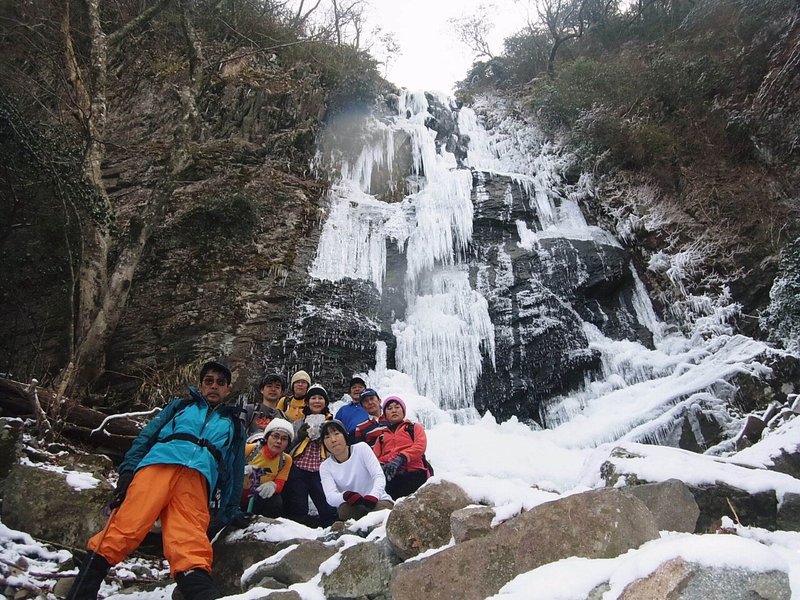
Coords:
70,419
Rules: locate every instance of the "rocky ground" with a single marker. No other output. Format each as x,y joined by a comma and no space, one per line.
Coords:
643,522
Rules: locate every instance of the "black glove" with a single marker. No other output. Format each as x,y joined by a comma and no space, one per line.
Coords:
121,490
214,527
390,469
242,520
302,434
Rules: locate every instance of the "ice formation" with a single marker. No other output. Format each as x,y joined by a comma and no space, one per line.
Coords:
447,330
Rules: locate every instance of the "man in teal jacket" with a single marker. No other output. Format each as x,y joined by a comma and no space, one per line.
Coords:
193,449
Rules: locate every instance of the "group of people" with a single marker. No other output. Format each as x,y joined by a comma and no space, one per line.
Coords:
201,465
359,460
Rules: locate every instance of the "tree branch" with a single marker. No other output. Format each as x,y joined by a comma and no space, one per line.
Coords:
136,24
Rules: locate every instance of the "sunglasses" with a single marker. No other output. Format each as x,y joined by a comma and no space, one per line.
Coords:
212,380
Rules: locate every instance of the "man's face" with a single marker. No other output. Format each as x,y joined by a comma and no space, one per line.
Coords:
299,389
355,390
277,441
394,413
372,405
214,387
271,393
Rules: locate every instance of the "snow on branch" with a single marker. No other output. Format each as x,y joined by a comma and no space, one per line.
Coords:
101,428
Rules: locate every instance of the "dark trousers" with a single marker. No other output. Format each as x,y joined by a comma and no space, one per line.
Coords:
405,483
299,487
268,507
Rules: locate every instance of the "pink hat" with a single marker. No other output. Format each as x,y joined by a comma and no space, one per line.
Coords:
397,399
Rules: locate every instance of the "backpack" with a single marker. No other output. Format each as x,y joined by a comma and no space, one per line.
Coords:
425,463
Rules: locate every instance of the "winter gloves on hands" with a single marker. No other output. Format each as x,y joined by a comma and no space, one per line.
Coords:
242,520
121,490
354,498
369,502
390,469
267,490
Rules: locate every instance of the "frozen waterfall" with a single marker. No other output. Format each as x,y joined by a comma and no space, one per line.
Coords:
407,210
446,330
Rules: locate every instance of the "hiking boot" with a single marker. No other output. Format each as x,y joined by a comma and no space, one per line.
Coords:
90,577
196,584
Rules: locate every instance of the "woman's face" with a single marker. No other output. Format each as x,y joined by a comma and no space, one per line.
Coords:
334,441
277,441
393,413
316,404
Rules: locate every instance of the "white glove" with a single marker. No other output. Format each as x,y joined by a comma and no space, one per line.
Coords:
266,490
248,469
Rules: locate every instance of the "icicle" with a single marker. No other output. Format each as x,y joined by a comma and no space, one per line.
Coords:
442,341
644,308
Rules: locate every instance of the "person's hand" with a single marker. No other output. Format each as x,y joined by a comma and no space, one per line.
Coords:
266,490
214,527
248,469
352,498
369,502
242,520
121,490
302,432
390,469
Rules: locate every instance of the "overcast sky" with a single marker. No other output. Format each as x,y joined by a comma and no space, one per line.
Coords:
432,58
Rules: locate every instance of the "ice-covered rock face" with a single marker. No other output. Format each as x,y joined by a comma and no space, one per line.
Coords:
484,270
478,277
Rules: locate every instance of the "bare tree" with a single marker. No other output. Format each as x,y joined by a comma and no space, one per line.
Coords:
566,20
386,50
473,30
102,289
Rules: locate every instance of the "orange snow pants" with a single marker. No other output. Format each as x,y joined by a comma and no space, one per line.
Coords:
176,494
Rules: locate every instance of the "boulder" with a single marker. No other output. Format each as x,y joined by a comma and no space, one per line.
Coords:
598,524
471,522
363,571
717,501
714,500
789,512
677,579
10,437
233,556
422,521
278,595
671,503
42,503
296,566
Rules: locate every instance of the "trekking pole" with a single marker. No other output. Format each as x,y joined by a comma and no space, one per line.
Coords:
84,569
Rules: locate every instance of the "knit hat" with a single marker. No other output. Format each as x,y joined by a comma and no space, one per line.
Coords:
318,390
280,425
391,399
215,365
334,423
368,393
356,379
300,376
274,378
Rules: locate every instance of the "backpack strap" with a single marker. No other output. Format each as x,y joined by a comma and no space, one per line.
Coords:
181,405
425,463
253,453
202,442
